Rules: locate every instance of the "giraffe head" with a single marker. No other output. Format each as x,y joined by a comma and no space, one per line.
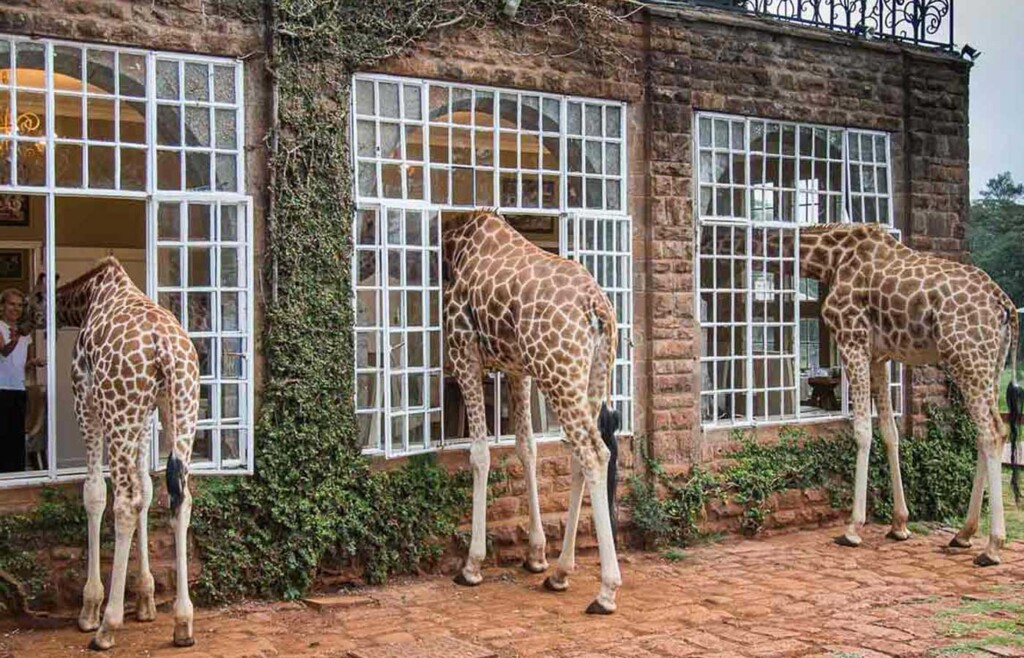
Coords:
35,303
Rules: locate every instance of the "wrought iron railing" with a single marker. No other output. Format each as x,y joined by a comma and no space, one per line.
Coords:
922,22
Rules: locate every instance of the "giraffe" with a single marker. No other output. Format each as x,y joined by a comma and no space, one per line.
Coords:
512,307
889,302
131,357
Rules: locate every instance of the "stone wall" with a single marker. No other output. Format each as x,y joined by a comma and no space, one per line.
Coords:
195,26
666,65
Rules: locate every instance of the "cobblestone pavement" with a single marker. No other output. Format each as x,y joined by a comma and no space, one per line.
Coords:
790,595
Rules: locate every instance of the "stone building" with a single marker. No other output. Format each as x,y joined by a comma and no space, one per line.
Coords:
139,129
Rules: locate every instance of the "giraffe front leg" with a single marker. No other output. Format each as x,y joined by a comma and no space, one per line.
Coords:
963,538
857,369
94,496
480,459
526,449
559,580
887,423
469,372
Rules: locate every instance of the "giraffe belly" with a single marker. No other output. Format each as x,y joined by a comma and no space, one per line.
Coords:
910,356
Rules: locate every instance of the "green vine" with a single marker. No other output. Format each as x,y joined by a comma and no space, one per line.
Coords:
937,470
313,498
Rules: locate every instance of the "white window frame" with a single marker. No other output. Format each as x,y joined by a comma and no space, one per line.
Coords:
745,222
616,282
623,391
151,196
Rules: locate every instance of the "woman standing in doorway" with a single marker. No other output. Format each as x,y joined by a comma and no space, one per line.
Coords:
14,359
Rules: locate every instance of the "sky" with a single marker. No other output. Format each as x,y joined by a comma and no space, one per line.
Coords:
996,28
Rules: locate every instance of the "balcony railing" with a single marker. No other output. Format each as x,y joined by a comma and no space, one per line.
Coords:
922,22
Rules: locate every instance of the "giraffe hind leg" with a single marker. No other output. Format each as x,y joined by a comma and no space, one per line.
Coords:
590,466
127,507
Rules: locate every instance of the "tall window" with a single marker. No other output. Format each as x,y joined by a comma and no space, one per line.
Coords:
135,153
765,353
553,165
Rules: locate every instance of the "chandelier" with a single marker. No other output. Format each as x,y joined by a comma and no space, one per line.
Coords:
27,123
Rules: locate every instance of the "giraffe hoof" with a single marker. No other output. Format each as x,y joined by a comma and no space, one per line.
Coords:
461,579
94,645
145,609
898,535
553,585
845,540
184,642
598,608
956,542
984,560
535,567
88,625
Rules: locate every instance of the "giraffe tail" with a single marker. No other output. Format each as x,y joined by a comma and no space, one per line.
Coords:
609,420
1014,402
177,470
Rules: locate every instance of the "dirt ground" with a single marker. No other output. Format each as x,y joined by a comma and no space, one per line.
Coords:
791,595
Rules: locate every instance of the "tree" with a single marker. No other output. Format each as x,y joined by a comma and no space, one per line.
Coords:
994,229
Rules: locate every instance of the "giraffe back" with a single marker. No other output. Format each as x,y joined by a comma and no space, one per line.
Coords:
912,306
534,313
131,353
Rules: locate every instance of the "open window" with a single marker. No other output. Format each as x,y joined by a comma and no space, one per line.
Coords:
766,355
135,154
429,147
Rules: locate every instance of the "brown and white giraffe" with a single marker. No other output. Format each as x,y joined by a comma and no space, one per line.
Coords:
131,357
512,307
889,302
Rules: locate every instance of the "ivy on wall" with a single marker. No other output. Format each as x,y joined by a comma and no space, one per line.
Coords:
937,470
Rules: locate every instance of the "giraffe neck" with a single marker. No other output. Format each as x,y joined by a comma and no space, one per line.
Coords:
76,298
816,261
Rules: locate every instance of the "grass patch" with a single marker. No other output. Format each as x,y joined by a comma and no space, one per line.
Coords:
921,527
977,624
674,555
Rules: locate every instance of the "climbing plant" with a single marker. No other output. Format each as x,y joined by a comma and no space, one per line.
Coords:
313,496
937,470
57,520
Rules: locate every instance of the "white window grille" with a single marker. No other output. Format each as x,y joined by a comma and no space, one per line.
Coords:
603,244
425,147
758,181
202,276
84,121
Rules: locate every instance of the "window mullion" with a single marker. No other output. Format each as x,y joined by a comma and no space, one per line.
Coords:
385,334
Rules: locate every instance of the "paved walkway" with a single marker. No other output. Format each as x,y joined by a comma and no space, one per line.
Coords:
791,595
